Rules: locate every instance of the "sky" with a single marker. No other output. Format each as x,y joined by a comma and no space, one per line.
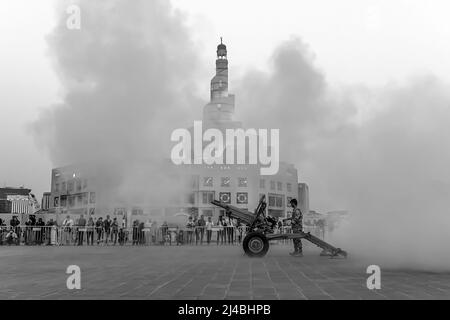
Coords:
371,43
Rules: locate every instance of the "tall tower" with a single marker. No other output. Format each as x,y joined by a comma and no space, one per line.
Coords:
219,84
219,111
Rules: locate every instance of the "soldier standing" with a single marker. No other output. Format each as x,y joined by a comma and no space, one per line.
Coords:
297,226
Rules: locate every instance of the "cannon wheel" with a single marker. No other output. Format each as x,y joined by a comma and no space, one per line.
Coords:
256,244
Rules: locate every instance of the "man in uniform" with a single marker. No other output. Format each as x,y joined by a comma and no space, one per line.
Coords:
297,226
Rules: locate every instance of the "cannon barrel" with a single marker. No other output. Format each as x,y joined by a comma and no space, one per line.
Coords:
236,213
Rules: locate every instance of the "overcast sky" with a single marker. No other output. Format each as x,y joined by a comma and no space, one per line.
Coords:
355,42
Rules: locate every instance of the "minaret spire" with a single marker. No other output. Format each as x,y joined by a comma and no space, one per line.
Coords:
219,84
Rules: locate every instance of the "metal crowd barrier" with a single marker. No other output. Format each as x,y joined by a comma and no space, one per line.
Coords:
134,236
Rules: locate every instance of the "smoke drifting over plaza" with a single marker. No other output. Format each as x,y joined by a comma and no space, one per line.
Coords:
386,164
130,75
126,84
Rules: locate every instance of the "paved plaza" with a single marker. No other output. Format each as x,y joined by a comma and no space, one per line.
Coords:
202,272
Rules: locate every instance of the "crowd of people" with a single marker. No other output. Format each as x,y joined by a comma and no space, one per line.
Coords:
198,230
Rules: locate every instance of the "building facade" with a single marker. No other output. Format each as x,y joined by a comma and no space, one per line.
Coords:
15,200
74,189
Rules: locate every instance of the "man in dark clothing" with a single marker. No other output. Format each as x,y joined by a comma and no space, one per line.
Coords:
114,230
99,229
107,227
81,230
40,232
200,230
297,226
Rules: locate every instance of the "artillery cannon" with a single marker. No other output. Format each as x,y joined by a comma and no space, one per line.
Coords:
261,231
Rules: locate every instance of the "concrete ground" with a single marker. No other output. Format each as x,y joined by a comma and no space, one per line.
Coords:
202,272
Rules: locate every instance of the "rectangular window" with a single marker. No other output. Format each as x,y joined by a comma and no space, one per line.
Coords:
78,185
79,200
71,201
262,184
289,187
207,197
272,185
56,187
226,182
92,197
276,200
208,182
63,187
242,182
70,186
85,199
279,186
63,201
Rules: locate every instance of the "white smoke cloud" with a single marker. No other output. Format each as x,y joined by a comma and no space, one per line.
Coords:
127,78
381,153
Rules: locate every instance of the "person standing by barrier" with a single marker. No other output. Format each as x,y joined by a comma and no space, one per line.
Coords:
107,228
135,232
90,226
148,231
28,231
15,225
231,230
99,229
209,225
40,226
114,230
81,230
226,228
190,230
141,236
200,230
220,230
48,230
67,230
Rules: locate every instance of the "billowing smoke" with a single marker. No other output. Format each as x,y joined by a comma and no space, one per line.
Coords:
381,153
127,81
